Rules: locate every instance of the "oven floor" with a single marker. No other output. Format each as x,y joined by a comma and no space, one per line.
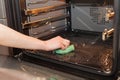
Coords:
90,51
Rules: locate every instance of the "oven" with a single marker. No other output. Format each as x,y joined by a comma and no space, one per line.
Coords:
92,26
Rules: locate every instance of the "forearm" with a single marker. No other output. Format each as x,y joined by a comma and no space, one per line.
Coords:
12,38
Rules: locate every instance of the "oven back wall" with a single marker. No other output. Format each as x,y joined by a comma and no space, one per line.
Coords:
91,18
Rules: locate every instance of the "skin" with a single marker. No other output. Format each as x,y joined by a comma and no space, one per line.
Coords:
12,38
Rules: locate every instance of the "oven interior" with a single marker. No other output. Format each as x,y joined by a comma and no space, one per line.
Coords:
87,24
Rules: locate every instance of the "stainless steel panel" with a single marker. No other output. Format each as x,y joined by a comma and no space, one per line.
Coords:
2,9
90,18
4,49
3,21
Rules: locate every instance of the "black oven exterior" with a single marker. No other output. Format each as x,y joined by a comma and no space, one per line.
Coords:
16,17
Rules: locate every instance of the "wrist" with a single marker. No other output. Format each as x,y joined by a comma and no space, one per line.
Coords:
45,46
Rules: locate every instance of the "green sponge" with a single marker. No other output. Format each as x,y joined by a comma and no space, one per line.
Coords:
67,50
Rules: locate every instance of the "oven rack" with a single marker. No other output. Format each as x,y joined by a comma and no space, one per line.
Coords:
44,21
37,11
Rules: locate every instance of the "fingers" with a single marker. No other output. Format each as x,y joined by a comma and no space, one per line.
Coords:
56,43
65,43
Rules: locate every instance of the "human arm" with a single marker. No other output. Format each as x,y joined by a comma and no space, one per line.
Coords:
12,38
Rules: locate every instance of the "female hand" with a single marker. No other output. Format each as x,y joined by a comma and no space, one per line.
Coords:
56,43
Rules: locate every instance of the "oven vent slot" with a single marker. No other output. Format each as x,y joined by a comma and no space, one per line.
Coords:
37,11
41,22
